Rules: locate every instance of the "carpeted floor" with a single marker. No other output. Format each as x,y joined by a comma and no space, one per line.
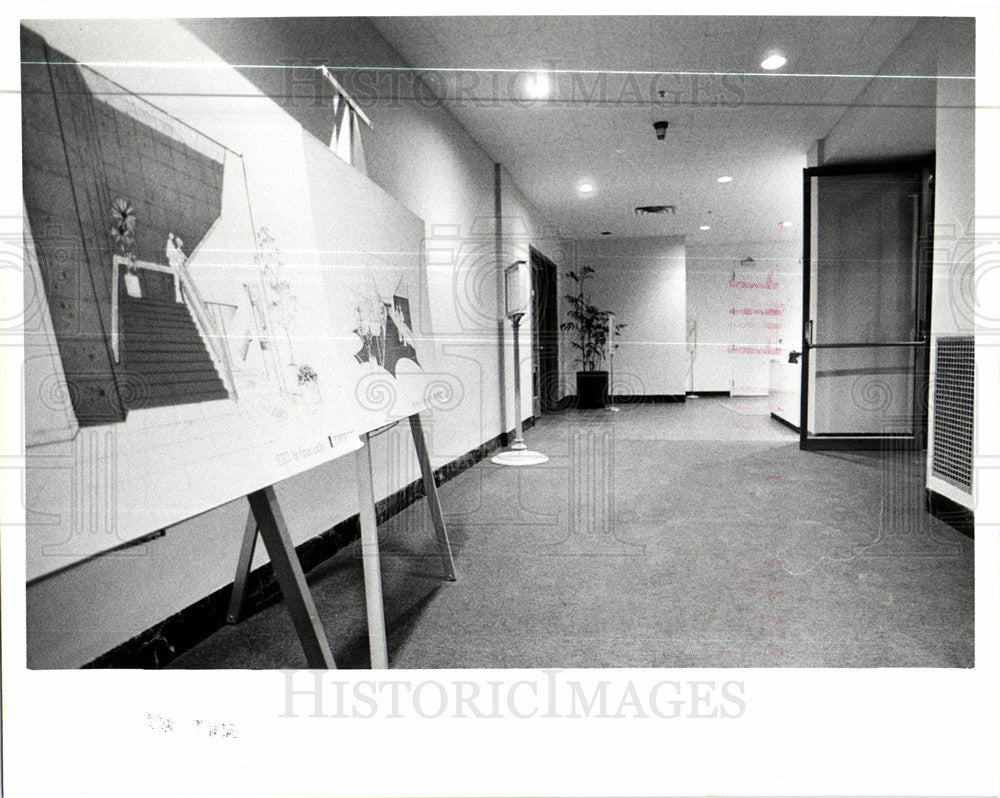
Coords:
664,535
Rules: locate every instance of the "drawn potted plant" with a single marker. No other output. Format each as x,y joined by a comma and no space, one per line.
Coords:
592,342
309,384
123,234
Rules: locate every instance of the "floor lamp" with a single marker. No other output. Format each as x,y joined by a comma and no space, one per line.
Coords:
516,304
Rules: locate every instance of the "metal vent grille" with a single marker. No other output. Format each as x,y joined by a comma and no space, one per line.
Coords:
953,411
649,210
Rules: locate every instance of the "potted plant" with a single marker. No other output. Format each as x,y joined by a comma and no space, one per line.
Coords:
123,233
591,324
309,383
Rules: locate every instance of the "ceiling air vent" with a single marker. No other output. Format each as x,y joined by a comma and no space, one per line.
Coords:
649,210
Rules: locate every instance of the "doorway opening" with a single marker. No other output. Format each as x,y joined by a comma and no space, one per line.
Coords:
544,334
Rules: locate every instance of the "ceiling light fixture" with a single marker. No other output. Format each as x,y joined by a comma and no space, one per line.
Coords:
724,179
774,61
786,224
537,86
586,188
661,129
704,227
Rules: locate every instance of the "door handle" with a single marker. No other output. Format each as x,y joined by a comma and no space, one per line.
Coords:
922,334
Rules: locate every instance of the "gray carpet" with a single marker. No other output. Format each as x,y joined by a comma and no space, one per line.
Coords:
670,535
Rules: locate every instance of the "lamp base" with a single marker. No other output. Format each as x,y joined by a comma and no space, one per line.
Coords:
519,458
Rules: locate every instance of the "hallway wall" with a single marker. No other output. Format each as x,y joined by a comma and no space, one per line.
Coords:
953,297
740,318
896,117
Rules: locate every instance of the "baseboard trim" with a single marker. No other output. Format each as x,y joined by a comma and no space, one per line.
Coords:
649,398
787,423
568,402
952,513
507,438
159,645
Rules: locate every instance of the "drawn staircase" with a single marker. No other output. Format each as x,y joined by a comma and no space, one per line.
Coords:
164,358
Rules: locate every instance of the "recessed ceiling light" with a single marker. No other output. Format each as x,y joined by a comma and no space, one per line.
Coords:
586,188
704,227
786,224
774,61
537,86
724,179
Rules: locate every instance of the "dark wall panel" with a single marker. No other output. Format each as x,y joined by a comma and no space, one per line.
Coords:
63,201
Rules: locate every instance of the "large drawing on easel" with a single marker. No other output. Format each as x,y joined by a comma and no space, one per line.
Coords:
229,304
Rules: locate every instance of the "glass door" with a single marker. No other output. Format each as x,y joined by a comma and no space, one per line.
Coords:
866,305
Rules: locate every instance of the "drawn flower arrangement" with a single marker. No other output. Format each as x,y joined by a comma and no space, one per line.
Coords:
309,383
123,224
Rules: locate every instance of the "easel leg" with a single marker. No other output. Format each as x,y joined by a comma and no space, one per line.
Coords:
235,613
288,571
430,488
370,557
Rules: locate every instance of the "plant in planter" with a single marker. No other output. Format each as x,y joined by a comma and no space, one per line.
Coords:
123,233
309,383
594,339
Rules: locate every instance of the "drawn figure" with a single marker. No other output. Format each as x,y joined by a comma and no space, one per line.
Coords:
175,255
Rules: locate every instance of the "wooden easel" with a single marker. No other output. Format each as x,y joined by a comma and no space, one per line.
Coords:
265,518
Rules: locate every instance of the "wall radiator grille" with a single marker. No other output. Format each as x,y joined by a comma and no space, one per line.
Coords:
953,411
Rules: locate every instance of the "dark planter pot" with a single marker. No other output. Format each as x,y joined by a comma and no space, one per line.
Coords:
591,389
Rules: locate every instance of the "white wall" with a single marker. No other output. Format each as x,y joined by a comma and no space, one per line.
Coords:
419,154
952,311
642,281
741,317
892,117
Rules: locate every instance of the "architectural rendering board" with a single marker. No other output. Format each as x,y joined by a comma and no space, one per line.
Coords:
223,302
